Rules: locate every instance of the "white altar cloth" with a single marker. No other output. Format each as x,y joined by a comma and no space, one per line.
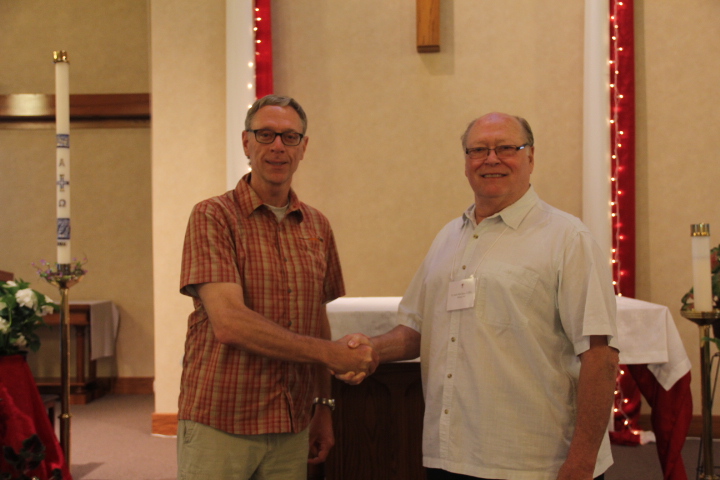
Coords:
104,322
646,331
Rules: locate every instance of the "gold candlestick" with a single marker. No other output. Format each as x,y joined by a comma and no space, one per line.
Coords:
63,277
705,320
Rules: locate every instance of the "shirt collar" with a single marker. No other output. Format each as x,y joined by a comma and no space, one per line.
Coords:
250,201
512,215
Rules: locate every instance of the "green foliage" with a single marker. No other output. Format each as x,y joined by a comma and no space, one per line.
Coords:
21,312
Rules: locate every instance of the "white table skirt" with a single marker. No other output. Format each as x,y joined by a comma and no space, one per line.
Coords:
646,331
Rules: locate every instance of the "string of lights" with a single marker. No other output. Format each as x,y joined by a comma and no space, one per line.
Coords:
622,132
622,178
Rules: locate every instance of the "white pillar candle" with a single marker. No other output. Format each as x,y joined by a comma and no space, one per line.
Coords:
62,154
702,272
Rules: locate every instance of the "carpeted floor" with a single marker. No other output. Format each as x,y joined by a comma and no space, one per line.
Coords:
111,440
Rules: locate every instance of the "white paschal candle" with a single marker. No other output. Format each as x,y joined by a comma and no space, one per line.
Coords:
702,272
62,152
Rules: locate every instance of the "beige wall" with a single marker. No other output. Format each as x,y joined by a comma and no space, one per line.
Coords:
384,161
188,91
107,44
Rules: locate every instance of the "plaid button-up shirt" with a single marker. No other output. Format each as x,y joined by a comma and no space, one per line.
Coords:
288,270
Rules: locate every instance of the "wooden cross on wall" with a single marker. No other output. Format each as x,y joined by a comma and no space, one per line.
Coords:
428,26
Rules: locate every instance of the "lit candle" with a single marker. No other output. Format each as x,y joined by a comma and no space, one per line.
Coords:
702,282
62,154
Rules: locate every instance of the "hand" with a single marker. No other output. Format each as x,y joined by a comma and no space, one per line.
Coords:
321,438
360,359
569,471
353,341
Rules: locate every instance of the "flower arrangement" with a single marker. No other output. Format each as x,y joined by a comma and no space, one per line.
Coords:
21,312
688,301
52,273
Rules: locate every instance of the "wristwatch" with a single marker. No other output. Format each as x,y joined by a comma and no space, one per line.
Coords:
328,402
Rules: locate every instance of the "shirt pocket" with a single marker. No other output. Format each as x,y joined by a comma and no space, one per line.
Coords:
504,294
313,251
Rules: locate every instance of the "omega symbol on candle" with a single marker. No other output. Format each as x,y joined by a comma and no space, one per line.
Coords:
62,203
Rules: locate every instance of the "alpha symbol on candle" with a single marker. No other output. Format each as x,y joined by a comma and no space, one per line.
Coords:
62,182
62,162
63,229
62,140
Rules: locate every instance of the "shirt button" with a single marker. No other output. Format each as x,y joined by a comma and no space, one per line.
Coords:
447,411
289,290
464,267
449,375
475,236
452,339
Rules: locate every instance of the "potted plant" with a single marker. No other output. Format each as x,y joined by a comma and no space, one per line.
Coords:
21,312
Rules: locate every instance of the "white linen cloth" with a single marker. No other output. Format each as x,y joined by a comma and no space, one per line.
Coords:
646,331
648,335
104,322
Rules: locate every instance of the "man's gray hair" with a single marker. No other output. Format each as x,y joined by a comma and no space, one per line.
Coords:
277,101
530,139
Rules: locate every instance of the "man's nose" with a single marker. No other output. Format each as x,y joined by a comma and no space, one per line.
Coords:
277,143
492,157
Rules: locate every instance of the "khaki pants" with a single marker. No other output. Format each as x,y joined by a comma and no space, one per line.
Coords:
207,453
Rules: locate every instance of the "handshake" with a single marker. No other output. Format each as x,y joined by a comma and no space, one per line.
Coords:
356,359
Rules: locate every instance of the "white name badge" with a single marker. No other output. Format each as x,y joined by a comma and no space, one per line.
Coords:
461,294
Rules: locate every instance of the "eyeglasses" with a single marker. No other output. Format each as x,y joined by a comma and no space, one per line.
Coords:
501,151
290,139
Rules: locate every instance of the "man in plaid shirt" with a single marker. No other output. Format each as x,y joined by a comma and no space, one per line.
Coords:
260,266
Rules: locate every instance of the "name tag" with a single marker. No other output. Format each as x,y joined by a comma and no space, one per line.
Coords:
461,294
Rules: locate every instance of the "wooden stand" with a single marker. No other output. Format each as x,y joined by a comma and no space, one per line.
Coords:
83,387
378,426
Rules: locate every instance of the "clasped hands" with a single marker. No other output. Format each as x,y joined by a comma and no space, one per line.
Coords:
359,359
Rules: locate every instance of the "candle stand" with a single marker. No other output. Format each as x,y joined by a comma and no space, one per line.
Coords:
63,277
705,321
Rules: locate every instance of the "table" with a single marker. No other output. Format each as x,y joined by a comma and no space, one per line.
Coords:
650,345
97,320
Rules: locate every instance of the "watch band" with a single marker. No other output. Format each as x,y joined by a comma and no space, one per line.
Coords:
328,402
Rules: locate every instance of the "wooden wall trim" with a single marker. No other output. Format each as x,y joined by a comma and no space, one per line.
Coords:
696,425
133,385
164,423
37,110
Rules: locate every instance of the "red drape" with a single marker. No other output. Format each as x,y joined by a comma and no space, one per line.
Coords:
263,49
622,138
670,416
23,414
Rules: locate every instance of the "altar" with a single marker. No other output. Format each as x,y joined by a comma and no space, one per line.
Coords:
95,324
382,417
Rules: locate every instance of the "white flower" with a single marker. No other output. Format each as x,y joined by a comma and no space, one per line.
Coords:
26,298
3,305
46,310
10,283
19,341
4,326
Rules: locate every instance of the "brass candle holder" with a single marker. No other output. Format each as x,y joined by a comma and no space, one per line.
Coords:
63,277
705,321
